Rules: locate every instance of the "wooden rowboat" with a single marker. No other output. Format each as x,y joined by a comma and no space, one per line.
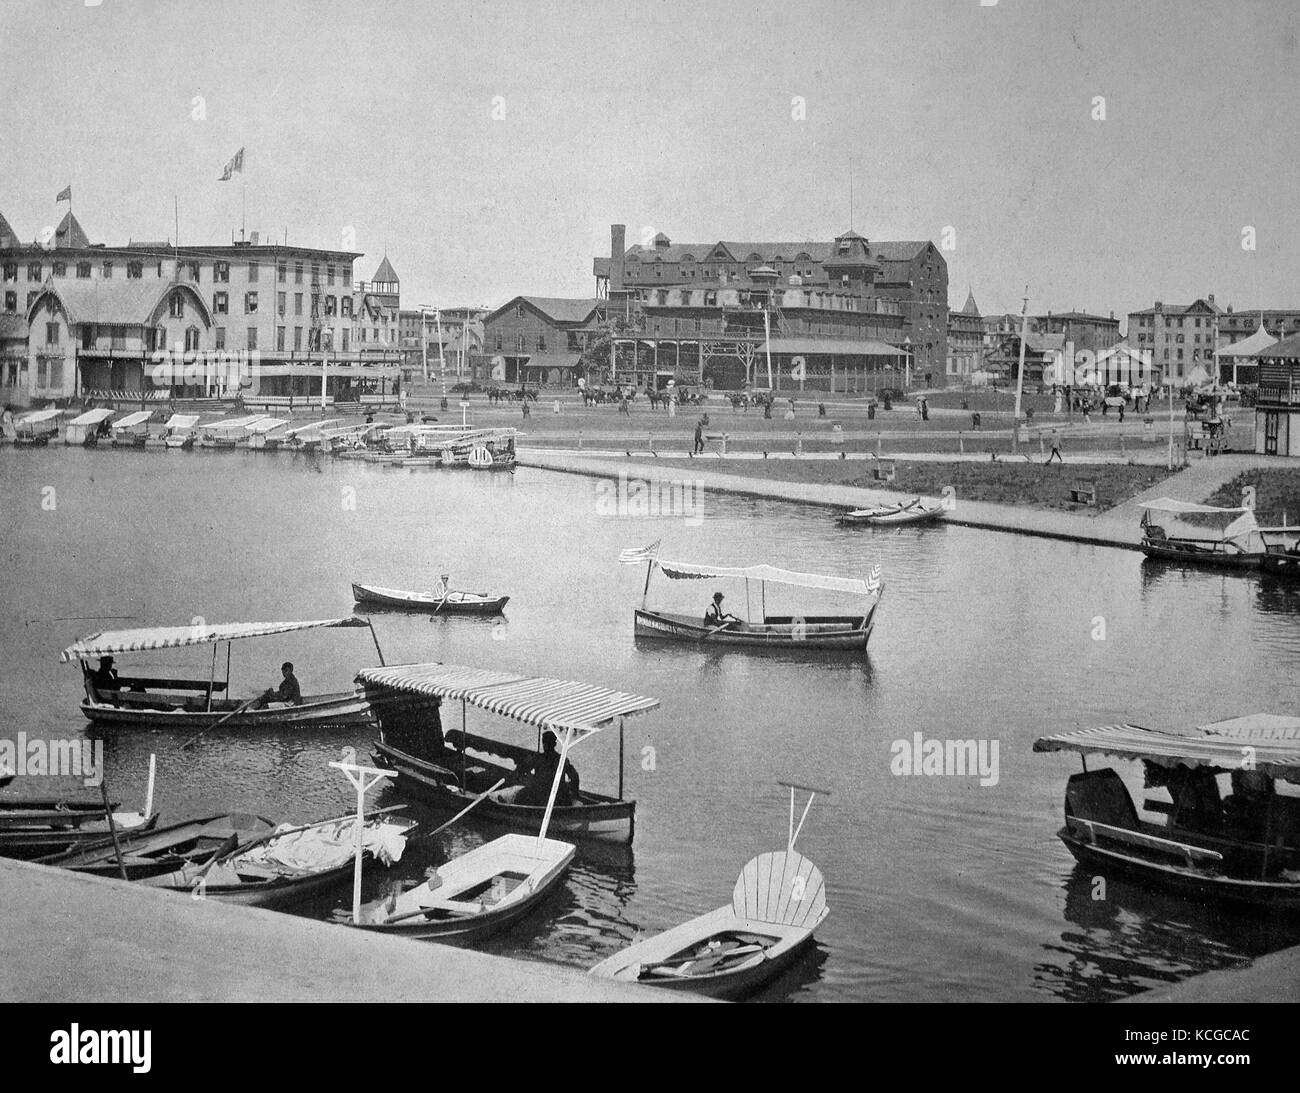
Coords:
903,513
34,828
453,603
778,902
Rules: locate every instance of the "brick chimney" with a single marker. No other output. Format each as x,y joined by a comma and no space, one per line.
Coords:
617,253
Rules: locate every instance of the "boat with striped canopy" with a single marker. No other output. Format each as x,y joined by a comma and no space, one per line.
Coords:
1242,544
196,704
848,632
777,904
449,770
493,886
1223,827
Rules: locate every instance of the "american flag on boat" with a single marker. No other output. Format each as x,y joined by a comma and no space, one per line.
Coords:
873,578
636,555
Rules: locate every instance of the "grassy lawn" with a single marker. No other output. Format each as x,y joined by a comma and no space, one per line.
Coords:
1004,483
1277,494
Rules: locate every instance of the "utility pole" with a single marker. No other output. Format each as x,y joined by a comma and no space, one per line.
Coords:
1020,373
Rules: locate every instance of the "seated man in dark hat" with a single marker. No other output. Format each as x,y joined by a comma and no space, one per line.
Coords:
104,678
532,779
715,617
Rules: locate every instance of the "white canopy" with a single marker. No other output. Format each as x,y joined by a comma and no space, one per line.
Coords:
173,637
182,421
688,571
37,416
134,418
234,423
1166,504
92,417
300,429
266,424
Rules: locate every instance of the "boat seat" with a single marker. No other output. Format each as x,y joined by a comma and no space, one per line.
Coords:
1101,796
455,906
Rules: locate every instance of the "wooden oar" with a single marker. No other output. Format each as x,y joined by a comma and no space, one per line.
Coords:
112,828
720,626
477,800
218,724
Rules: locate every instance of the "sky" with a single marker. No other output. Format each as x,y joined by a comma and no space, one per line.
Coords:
1101,154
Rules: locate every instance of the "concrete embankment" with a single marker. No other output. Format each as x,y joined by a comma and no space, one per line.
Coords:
1272,978
74,938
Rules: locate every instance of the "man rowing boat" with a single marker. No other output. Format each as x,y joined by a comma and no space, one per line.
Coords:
714,616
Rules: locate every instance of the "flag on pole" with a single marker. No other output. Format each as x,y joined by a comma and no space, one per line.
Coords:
873,578
635,555
236,164
65,194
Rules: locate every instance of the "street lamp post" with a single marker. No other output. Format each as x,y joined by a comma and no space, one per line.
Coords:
907,363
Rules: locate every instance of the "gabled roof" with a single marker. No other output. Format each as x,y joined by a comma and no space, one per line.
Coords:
8,237
130,302
902,251
69,233
733,252
385,272
558,309
1288,347
1182,309
970,307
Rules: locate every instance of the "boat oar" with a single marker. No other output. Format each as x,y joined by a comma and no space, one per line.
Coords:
218,724
715,629
477,800
112,829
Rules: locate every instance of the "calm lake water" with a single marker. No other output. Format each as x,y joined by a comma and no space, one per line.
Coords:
939,888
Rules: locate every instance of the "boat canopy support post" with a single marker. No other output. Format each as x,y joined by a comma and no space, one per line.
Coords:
212,677
555,785
645,592
375,639
148,793
112,828
812,791
364,779
620,758
464,728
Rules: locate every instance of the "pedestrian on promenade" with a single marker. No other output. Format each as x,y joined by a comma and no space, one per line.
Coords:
1056,448
1121,414
1087,412
623,407
699,437
525,409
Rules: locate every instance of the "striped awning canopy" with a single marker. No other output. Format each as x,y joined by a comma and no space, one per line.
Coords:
688,571
1234,749
558,704
173,637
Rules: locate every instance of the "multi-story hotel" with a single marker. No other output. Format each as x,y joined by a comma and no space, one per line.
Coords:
81,319
830,315
965,340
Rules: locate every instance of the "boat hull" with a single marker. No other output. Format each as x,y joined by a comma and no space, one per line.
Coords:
891,518
26,838
321,710
842,633
1200,556
469,604
597,818
1284,566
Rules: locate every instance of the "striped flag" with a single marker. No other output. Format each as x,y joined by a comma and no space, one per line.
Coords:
636,555
873,578
236,164
65,194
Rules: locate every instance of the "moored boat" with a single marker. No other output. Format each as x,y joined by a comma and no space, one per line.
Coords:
1243,544
847,632
1242,847
85,428
34,429
178,431
777,904
438,603
450,771
198,704
899,515
35,827
131,430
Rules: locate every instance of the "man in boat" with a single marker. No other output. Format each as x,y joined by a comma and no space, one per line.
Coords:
714,616
533,778
104,678
288,692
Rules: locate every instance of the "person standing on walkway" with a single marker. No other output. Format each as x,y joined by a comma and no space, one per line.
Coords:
699,437
1056,448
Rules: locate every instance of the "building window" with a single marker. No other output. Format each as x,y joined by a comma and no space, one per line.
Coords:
34,271
346,332
117,337
11,301
315,273
297,337
11,271
498,342
519,308
331,305
250,305
220,303
280,302
60,269
175,306
194,272
346,306
192,338
281,272
252,337
252,272
279,339
329,275
219,337
297,303
135,270
541,343
51,333
31,296
83,270
374,335
107,271
221,272
519,343
297,273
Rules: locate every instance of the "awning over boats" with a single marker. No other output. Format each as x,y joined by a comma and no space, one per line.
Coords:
688,571
266,424
173,637
1167,504
534,700
92,417
1208,747
134,418
182,421
234,423
301,429
38,416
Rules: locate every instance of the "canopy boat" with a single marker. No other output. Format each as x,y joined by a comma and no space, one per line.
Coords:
198,704
85,428
820,632
1242,544
406,703
178,431
905,512
163,850
437,603
778,902
35,429
263,435
130,430
354,441
35,827
1243,848
477,449
227,433
307,438
290,863
494,885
